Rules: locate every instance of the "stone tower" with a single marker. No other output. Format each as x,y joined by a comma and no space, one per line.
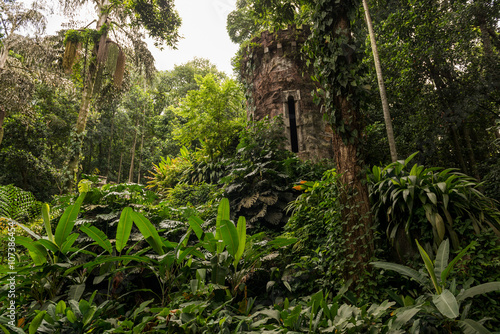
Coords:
279,83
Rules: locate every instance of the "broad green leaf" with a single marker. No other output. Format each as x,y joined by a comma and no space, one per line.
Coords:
446,303
478,290
222,214
195,223
432,197
242,238
89,315
440,226
76,291
429,266
148,230
37,251
230,236
35,323
48,245
67,221
61,307
402,318
124,228
98,236
70,240
46,221
403,270
470,326
441,261
70,316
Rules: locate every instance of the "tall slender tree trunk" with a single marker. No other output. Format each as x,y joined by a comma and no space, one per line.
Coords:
458,148
381,85
470,152
142,146
108,165
131,171
120,168
2,118
88,90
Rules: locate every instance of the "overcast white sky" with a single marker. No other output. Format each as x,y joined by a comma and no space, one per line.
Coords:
204,31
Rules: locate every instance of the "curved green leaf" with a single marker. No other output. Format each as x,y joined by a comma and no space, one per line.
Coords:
98,236
242,238
470,326
230,236
70,240
441,261
38,252
46,221
148,230
478,290
430,267
123,229
48,245
446,303
36,322
403,270
222,214
67,221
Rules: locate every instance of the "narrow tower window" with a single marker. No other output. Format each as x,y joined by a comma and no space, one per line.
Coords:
294,142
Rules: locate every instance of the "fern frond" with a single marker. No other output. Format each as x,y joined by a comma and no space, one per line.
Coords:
269,200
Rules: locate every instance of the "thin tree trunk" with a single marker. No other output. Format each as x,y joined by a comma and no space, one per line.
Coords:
120,168
470,152
108,166
131,172
142,146
381,85
458,148
2,118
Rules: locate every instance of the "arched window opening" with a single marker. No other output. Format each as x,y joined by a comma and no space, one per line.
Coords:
294,141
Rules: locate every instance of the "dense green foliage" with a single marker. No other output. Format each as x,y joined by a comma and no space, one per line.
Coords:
232,233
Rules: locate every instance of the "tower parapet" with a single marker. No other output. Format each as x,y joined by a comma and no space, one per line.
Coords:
279,83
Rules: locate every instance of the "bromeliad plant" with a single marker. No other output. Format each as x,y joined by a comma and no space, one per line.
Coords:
444,299
446,198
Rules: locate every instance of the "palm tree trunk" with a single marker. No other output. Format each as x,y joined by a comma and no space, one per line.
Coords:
381,85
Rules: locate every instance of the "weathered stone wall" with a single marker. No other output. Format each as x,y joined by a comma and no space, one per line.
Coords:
274,71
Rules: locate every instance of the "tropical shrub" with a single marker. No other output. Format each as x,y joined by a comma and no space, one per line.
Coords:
407,198
444,301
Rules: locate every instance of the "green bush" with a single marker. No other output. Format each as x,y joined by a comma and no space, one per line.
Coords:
408,200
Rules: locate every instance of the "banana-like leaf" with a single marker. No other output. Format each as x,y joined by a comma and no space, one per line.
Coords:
195,223
441,261
148,230
48,245
46,221
222,214
67,221
447,304
478,290
242,238
430,267
470,326
124,227
98,236
403,270
70,240
37,251
229,236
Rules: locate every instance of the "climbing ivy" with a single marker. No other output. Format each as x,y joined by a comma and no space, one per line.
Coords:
336,56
